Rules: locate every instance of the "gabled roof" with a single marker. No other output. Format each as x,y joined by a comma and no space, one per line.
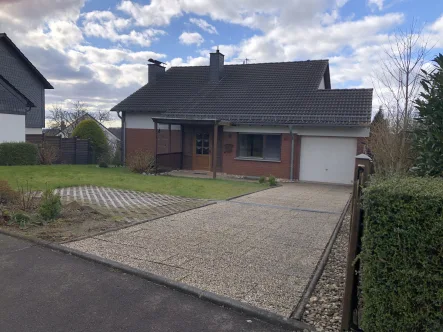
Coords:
45,82
265,93
12,101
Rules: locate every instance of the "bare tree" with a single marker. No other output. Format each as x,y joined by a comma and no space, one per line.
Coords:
397,85
101,116
67,120
64,120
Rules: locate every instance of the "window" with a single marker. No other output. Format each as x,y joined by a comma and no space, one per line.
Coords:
202,143
266,147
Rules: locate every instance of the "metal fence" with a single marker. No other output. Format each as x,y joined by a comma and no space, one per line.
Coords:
351,314
68,150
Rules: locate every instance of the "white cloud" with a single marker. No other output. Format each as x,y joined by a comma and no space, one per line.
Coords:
190,38
205,26
157,13
105,24
376,3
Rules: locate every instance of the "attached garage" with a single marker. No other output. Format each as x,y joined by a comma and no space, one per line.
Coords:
327,159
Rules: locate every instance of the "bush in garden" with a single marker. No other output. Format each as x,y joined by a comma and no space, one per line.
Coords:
141,162
262,179
402,255
89,129
20,218
428,138
117,158
47,154
12,154
272,181
7,194
50,206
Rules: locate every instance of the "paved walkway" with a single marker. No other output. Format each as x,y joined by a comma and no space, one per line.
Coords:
129,205
261,249
45,290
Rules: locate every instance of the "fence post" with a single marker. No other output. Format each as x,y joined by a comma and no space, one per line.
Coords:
60,151
75,150
350,300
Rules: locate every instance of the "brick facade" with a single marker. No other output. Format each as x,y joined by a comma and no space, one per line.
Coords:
144,139
281,169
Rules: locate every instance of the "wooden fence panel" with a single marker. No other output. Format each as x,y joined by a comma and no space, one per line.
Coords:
69,150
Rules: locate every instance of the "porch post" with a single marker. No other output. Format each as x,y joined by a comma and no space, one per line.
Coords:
170,138
155,149
214,152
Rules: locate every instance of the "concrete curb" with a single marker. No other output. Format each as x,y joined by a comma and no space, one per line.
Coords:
298,311
261,314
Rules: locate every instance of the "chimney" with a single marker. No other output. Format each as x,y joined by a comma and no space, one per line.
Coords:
155,71
216,66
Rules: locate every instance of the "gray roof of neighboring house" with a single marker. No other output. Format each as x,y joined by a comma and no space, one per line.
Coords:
263,93
12,101
45,82
23,75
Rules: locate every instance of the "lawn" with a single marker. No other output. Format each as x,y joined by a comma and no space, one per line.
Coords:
58,176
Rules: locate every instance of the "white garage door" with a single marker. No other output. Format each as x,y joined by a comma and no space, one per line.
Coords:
327,159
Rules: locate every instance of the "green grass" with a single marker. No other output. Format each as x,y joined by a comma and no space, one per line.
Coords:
58,176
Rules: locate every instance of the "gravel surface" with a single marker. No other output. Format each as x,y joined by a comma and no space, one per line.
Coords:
324,309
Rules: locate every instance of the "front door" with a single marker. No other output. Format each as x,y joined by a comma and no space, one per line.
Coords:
202,152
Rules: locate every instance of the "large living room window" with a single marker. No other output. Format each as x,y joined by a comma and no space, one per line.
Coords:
257,146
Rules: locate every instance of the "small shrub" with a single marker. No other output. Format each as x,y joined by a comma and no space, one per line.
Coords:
272,181
50,206
262,179
141,162
117,158
7,194
12,154
47,154
20,218
5,215
103,164
402,256
26,196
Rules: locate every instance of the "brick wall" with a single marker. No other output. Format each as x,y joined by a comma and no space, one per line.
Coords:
144,139
258,168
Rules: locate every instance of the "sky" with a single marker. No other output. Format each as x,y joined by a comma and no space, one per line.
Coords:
96,51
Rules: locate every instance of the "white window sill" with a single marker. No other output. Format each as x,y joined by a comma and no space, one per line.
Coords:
258,159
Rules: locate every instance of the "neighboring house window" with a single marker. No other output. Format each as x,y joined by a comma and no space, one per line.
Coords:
258,146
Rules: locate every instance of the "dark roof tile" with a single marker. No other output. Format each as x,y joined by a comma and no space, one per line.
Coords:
277,93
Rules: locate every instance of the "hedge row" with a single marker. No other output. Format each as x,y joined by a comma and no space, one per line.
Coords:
12,154
402,255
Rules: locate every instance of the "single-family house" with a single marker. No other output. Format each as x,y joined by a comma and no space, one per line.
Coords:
22,94
258,119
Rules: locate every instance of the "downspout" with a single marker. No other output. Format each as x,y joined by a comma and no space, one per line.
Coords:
292,154
123,138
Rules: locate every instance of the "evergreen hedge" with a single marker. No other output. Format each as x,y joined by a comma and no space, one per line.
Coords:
89,129
12,154
402,255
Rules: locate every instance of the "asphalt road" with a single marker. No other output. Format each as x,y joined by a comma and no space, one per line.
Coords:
45,290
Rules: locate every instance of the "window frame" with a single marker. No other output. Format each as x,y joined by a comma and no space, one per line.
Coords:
239,157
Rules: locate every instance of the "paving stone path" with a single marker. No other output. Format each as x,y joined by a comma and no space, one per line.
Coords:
129,205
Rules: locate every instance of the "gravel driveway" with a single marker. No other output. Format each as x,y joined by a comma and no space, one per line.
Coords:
261,249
